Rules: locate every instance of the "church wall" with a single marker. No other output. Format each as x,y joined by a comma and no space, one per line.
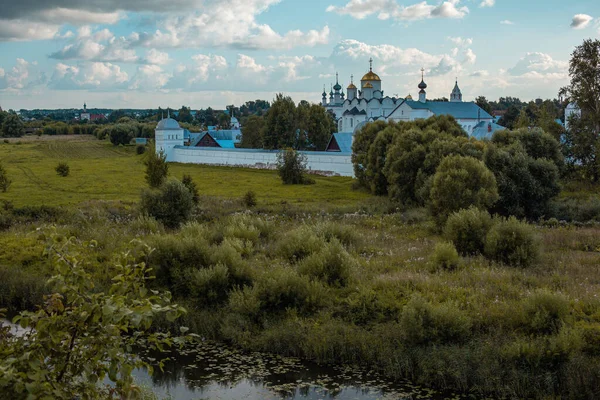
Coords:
332,164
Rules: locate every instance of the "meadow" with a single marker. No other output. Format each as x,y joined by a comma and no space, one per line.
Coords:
321,272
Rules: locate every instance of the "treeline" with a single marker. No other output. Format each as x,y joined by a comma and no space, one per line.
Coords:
285,125
434,163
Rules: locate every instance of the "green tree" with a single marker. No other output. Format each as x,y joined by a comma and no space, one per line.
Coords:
461,182
13,126
185,115
252,132
291,166
280,124
320,127
523,121
360,150
122,134
189,183
157,168
224,121
376,159
4,179
482,102
81,336
171,204
582,148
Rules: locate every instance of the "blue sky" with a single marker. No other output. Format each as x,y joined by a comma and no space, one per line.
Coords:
150,53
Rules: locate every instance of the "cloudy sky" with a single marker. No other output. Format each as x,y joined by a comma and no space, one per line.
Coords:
150,53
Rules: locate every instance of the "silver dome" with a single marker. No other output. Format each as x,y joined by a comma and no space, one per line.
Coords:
167,124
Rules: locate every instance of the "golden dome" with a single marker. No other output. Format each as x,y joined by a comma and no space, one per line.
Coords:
409,97
368,85
370,76
351,86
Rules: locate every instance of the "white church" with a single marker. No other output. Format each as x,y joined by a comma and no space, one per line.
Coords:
370,104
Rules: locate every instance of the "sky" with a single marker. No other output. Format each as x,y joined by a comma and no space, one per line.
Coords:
200,53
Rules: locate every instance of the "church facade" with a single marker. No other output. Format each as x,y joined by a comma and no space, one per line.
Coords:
369,103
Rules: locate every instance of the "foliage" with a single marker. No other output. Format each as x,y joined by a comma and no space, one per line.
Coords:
291,166
512,242
121,133
75,340
376,158
445,256
332,265
360,150
12,126
546,312
140,149
171,204
62,169
157,168
467,229
253,132
461,182
4,179
584,138
582,148
249,199
189,183
280,124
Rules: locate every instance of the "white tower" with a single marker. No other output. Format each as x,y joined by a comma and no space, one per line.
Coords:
168,134
352,90
456,95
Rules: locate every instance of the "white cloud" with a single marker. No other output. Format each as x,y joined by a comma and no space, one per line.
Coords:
581,21
156,57
480,74
100,46
74,16
386,9
487,3
539,63
20,30
91,75
507,22
459,41
149,77
469,56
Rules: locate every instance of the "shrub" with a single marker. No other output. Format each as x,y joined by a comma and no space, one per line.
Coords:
299,243
171,204
249,199
156,168
445,256
334,230
332,265
4,180
189,183
140,149
512,242
62,169
467,229
461,182
291,166
545,312
210,285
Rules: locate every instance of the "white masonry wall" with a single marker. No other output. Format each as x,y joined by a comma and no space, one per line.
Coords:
327,163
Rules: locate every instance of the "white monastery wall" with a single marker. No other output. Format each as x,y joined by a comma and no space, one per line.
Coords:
327,163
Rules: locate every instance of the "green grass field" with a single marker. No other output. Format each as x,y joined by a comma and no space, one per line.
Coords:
100,171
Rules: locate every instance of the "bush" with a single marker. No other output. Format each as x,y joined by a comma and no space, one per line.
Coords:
171,204
191,185
467,229
445,256
299,243
4,180
545,312
332,265
156,168
334,230
291,166
461,182
513,243
249,199
140,149
62,169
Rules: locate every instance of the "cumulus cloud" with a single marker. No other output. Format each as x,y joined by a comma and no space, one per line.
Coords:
100,46
507,22
149,77
19,30
459,41
22,75
540,63
487,3
581,21
386,9
91,75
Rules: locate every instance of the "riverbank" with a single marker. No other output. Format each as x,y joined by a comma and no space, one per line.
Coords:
355,287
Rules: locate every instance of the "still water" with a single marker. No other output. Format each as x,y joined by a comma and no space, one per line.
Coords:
213,371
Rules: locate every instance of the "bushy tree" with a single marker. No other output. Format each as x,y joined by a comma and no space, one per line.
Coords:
461,182
171,204
189,183
467,229
63,169
156,168
376,158
360,150
4,179
122,133
252,132
291,166
513,243
81,338
280,124
13,126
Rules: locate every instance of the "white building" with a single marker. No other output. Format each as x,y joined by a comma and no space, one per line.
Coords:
571,111
370,104
85,115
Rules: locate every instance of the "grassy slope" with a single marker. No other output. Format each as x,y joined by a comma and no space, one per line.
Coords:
100,171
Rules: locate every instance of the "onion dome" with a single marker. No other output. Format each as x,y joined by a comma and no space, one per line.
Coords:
409,97
371,76
368,85
422,85
351,86
324,91
337,87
